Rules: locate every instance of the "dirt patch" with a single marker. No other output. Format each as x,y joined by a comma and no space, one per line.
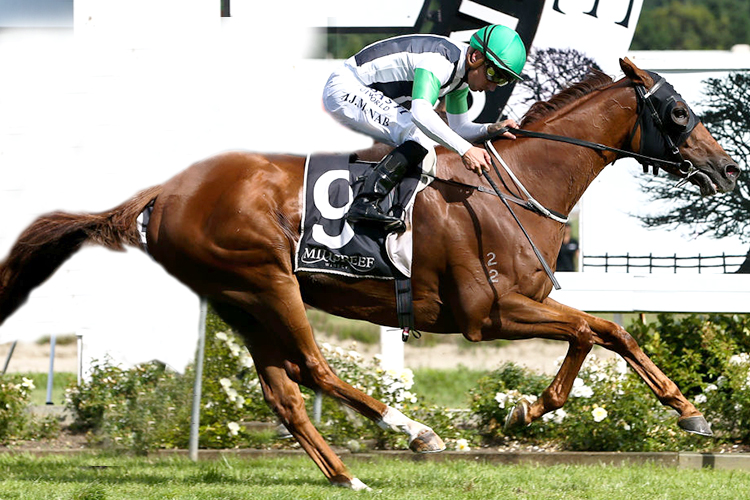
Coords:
29,357
540,356
537,355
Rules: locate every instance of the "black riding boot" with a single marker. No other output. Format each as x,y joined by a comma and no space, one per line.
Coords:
379,182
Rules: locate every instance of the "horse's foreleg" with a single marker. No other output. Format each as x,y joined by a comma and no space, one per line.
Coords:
525,318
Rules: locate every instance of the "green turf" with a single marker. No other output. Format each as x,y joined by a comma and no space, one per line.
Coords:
446,387
107,477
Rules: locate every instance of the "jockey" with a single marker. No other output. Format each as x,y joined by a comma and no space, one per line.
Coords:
389,89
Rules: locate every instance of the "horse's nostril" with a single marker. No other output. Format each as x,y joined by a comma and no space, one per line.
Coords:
732,171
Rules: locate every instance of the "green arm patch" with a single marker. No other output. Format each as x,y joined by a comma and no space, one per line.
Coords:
456,102
426,86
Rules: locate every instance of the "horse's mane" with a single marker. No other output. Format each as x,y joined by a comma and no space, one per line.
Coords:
595,79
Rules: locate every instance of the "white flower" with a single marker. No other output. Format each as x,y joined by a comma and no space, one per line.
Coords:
556,416
711,387
701,398
231,394
222,336
462,445
408,396
599,413
246,360
225,383
501,399
407,376
234,428
739,359
28,383
580,389
354,446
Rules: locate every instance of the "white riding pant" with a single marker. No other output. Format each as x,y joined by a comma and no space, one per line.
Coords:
369,111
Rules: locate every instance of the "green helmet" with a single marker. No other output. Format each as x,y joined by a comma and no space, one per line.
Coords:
502,46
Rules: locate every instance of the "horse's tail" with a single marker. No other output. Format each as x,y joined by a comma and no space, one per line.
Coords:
51,239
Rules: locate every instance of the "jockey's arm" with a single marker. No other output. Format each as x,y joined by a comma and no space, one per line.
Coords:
424,96
457,109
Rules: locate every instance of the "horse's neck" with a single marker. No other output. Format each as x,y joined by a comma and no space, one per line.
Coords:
558,174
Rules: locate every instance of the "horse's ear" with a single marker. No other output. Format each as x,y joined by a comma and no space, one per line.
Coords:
636,74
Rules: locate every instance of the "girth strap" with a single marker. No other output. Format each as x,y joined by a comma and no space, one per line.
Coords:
405,308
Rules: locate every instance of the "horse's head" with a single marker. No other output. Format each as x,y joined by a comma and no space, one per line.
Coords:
669,131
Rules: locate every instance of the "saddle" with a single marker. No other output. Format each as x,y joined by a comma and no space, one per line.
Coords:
329,244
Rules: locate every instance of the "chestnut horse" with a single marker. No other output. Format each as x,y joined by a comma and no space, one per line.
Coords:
228,225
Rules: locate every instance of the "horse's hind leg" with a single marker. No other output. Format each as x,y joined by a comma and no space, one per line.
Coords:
283,313
284,397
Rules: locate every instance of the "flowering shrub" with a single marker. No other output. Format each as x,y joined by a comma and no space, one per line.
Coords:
231,391
707,357
15,394
141,408
497,394
609,408
149,406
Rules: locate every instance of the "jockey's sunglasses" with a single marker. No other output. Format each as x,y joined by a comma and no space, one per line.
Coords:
496,75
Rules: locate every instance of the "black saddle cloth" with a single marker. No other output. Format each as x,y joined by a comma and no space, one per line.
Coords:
328,243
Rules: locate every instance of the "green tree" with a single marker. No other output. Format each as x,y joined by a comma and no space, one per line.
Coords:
677,26
548,71
728,119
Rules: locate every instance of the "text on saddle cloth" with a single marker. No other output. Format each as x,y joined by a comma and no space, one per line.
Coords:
329,244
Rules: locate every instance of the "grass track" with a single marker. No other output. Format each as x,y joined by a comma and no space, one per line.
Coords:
91,477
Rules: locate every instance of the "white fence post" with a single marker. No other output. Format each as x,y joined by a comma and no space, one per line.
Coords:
391,348
51,373
195,421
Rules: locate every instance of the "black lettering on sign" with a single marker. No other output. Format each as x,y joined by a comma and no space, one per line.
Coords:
593,12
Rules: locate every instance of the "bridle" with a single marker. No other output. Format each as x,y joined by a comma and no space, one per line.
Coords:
653,106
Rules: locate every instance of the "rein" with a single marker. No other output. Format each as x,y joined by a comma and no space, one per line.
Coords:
642,159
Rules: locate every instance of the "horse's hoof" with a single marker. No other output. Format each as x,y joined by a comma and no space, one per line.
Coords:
517,416
427,442
696,425
353,484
